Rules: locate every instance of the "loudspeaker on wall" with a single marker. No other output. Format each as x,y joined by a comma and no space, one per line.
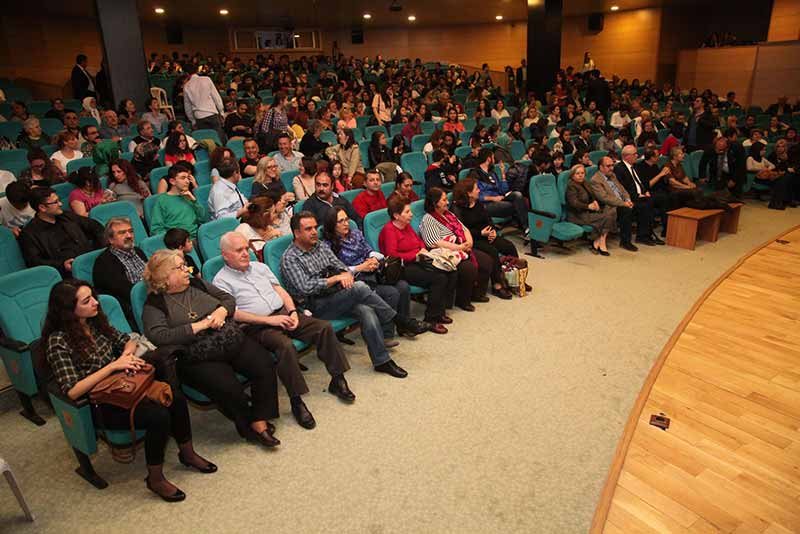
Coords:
596,22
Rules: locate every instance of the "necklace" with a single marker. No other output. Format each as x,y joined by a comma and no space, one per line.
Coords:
189,311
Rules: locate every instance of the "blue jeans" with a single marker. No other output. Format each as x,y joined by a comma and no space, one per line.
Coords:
397,296
374,315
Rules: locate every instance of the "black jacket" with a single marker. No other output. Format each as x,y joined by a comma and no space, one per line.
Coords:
704,133
379,154
43,243
310,146
626,179
737,166
80,84
109,278
320,209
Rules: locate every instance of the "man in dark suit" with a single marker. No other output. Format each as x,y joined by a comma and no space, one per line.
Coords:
522,76
723,166
119,266
82,81
639,191
700,131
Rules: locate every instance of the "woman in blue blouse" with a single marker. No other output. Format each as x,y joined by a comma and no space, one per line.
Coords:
352,248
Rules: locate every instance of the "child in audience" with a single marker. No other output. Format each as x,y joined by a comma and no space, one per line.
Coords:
179,239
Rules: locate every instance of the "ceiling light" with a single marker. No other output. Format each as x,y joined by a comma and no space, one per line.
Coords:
614,8
367,16
412,18
159,10
499,17
223,11
297,36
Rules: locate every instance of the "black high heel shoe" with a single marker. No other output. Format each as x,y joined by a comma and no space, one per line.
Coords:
209,468
178,496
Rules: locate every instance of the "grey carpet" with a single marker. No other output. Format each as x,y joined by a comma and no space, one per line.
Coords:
507,424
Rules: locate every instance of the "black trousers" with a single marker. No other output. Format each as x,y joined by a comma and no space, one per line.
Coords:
441,284
499,247
514,206
309,330
473,282
217,380
212,122
159,423
643,211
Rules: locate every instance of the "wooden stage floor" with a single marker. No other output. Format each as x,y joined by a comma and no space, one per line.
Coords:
729,380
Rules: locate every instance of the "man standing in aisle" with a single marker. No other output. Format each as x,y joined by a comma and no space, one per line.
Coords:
202,103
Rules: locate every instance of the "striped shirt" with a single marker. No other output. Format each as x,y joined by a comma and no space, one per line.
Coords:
304,273
432,230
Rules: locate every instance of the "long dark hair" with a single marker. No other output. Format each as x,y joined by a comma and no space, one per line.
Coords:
84,176
755,151
432,197
173,144
351,138
131,177
329,230
61,317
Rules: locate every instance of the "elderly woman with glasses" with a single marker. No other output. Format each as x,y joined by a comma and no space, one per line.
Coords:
196,317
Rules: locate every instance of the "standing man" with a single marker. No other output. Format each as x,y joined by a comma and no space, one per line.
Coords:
202,103
82,81
609,192
700,131
522,76
269,315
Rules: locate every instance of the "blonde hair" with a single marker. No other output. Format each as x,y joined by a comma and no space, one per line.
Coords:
261,170
157,271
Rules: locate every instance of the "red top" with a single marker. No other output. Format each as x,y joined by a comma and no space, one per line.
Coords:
669,142
367,201
457,127
403,244
175,158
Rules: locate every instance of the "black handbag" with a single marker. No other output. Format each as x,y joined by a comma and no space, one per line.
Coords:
215,345
390,271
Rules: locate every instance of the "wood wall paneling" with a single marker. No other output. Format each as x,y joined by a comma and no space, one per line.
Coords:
784,25
777,73
718,69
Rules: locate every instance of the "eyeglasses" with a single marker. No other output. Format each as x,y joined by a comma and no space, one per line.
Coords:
273,166
52,202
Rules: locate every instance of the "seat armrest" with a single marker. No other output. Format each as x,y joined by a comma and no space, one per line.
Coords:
547,214
55,390
14,344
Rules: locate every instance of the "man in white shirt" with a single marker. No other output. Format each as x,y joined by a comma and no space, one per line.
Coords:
286,158
269,315
620,119
225,199
15,211
202,103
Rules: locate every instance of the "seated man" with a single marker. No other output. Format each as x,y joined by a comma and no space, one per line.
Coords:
178,208
286,158
56,238
639,191
225,199
268,314
324,199
440,173
319,282
111,128
495,193
239,124
249,163
656,180
120,266
91,138
609,192
72,124
146,135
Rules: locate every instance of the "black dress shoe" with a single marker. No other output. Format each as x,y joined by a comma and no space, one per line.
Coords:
594,249
264,438
409,327
302,414
646,241
466,307
629,246
530,288
178,496
392,369
480,299
339,387
603,252
209,468
502,293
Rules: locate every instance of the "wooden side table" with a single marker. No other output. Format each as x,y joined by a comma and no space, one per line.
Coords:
730,219
687,225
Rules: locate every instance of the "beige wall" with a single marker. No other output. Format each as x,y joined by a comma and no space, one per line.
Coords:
784,24
777,73
627,46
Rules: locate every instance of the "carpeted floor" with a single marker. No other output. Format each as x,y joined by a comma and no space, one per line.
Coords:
507,424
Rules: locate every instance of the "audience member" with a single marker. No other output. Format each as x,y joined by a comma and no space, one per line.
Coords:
607,190
585,210
88,191
324,199
178,208
372,198
348,153
15,208
239,124
146,135
495,193
127,185
177,149
639,193
202,103
82,82
286,158
225,199
111,128
766,174
723,168
154,116
120,265
303,183
31,135
91,138
68,150
248,165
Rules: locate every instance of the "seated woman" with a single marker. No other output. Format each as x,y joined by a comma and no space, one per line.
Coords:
126,184
257,223
500,111
350,246
31,135
311,145
786,163
380,157
452,124
341,182
177,149
440,228
584,209
398,239
474,216
349,155
127,112
404,187
371,198
346,119
268,178
433,143
198,317
515,131
564,143
683,191
303,183
68,150
88,191
766,174
82,349
218,155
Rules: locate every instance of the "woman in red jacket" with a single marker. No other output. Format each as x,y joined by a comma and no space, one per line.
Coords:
371,199
399,239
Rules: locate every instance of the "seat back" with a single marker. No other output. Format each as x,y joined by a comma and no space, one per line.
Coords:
329,137
363,150
212,267
201,194
694,163
387,189
562,182
415,164
349,195
373,224
11,259
147,207
156,175
237,146
245,186
595,155
114,313
287,179
517,149
273,251
544,194
120,208
207,134
418,142
51,126
83,265
371,129
138,297
23,301
202,172
209,234
418,211
63,190
74,165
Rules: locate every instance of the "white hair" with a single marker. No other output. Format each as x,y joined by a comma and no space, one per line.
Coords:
226,242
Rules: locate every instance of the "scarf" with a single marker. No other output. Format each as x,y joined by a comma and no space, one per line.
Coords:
93,111
451,222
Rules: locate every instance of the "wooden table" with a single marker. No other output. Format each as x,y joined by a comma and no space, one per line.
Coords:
686,225
730,219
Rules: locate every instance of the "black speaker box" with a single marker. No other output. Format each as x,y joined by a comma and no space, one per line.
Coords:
174,32
357,36
596,22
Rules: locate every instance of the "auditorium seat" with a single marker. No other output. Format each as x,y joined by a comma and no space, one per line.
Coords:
120,208
11,259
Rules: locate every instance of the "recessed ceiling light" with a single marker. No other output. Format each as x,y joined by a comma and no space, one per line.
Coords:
614,8
412,18
159,10
223,11
499,17
367,16
297,36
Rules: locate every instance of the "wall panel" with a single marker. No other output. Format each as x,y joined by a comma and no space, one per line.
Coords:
784,25
777,73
